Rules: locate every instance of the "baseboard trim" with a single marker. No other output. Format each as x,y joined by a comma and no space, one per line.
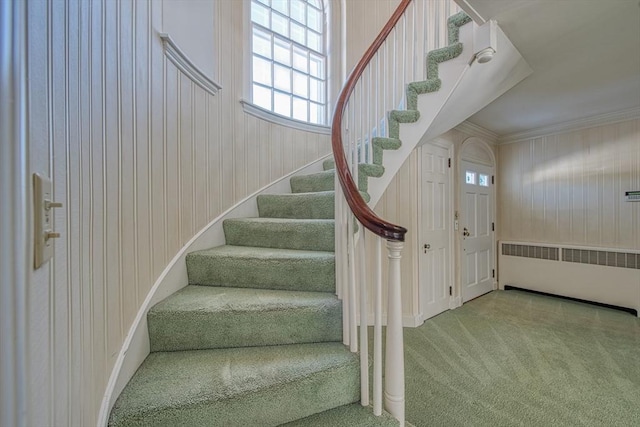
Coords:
584,301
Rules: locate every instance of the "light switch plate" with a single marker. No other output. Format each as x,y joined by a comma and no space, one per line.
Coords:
42,220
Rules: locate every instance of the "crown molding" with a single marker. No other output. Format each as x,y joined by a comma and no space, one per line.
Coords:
476,130
184,64
572,125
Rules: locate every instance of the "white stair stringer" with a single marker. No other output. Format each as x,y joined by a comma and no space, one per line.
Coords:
480,85
466,88
429,105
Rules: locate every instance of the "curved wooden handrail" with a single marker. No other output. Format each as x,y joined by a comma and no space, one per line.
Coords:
358,206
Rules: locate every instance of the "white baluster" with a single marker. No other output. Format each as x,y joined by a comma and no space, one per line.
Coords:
394,360
353,318
377,333
341,258
364,336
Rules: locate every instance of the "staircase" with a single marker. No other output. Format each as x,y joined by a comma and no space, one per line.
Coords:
256,338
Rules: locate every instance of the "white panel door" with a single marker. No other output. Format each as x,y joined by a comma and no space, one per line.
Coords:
477,231
435,216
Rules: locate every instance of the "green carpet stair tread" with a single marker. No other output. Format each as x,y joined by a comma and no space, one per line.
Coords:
263,268
302,234
353,415
204,317
312,205
265,386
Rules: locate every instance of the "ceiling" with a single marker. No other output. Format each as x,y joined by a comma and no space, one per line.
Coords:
585,56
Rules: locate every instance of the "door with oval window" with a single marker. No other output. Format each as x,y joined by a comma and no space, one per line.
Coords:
477,230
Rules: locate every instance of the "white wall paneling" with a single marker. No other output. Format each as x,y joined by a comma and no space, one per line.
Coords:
569,188
143,158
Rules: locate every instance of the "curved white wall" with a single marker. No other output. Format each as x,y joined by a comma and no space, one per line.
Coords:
142,159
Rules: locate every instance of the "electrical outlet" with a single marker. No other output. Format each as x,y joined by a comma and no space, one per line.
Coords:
43,233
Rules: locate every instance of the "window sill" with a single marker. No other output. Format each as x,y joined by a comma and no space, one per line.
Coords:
272,117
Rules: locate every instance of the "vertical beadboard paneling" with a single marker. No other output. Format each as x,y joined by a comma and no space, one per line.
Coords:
58,330
142,158
74,219
572,187
399,205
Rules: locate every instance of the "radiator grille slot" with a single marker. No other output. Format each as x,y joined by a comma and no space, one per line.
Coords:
530,251
606,258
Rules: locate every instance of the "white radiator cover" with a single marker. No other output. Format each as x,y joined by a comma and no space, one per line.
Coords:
608,276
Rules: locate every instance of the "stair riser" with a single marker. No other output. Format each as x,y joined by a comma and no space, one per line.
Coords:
320,206
314,236
170,331
329,164
326,181
312,183
308,274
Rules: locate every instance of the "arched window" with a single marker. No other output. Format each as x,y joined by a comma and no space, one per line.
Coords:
288,58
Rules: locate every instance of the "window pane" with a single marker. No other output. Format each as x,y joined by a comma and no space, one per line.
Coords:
314,19
280,24
300,60
261,71
316,65
300,109
297,33
260,14
282,78
282,104
282,51
261,43
298,11
483,180
280,6
313,41
262,96
288,65
300,84
470,177
316,90
315,113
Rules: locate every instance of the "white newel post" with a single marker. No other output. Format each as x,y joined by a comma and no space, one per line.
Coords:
394,358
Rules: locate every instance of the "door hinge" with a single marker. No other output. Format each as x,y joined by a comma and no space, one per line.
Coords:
493,180
450,291
493,273
449,161
493,226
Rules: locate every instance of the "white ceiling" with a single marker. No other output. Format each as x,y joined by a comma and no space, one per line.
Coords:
585,56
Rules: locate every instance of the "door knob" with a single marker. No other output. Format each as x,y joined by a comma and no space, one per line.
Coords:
465,232
426,246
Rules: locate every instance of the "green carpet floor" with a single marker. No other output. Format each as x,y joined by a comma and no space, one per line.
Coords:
512,358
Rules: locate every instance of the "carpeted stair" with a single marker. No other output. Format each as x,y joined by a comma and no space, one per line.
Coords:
255,337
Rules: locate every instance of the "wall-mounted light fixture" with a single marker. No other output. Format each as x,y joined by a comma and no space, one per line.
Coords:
485,41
